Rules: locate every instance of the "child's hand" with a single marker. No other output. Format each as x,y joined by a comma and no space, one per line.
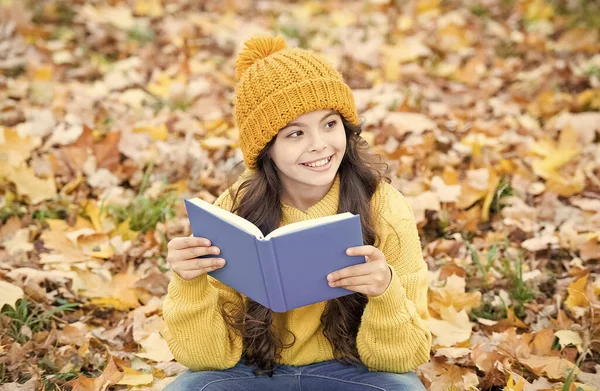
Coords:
371,278
183,256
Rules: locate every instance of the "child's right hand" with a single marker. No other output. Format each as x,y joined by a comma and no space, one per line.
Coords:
183,253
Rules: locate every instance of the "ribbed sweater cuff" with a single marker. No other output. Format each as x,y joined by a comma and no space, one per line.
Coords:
392,304
189,291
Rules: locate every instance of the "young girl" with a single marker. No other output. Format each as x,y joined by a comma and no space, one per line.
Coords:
305,159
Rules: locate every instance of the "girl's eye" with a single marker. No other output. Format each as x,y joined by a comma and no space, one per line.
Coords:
333,123
293,133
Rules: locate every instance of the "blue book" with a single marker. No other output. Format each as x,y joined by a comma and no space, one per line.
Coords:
286,269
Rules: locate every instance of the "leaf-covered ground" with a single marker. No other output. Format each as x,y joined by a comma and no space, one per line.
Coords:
111,111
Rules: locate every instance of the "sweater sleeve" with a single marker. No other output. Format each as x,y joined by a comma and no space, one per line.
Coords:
394,334
196,332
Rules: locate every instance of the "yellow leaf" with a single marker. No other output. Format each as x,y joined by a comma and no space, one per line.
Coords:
152,8
96,245
479,183
69,187
162,85
159,132
123,286
110,302
10,294
454,327
590,97
18,243
135,378
454,38
566,186
43,73
124,230
155,348
14,150
512,386
453,294
556,154
569,337
539,10
36,189
487,202
424,6
576,294
91,209
215,143
596,287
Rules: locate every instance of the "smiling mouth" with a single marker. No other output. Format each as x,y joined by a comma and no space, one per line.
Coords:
318,163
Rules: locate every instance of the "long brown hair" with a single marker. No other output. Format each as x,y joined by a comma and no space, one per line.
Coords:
360,173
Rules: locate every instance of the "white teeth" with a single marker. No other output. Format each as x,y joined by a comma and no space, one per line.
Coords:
319,163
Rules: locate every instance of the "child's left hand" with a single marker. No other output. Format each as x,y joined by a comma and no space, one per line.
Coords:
371,278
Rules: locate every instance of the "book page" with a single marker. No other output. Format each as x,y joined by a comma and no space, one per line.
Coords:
231,218
293,227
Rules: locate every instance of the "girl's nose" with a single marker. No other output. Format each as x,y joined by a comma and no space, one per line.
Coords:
318,144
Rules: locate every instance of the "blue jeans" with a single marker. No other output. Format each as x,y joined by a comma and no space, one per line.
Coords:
323,376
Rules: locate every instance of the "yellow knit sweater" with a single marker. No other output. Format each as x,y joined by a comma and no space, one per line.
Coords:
393,335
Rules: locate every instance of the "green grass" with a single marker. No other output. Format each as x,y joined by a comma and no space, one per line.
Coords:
483,269
10,210
584,13
520,293
144,213
504,189
593,70
487,311
32,315
140,35
479,10
59,212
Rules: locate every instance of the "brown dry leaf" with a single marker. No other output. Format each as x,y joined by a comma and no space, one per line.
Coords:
487,357
73,333
553,367
541,344
56,239
110,376
590,249
32,384
107,152
442,377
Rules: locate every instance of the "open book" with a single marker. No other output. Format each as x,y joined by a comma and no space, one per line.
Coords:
287,268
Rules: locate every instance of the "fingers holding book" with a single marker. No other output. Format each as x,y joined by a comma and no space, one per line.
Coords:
371,278
184,256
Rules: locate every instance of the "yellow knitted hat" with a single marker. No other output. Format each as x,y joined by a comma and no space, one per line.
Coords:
276,84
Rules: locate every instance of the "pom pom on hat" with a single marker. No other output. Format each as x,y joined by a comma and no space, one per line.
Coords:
256,48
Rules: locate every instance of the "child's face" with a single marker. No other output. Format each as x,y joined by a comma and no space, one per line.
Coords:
317,137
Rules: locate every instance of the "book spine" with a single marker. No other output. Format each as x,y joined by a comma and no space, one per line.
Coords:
271,276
